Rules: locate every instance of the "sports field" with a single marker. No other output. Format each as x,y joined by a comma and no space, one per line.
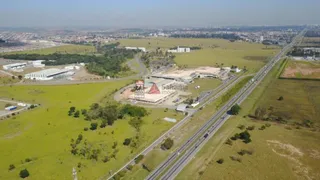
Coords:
281,151
71,49
301,69
43,134
213,52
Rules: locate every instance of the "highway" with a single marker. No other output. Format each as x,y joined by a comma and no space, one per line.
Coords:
204,101
170,168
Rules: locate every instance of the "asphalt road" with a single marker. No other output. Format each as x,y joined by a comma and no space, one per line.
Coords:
6,113
170,168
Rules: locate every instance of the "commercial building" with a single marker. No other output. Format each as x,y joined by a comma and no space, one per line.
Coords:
38,63
48,74
137,48
14,66
180,49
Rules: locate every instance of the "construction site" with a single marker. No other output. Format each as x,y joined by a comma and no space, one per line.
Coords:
169,88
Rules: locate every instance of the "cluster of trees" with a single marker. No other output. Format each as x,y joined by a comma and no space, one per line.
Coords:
167,144
245,136
208,35
109,64
270,114
72,111
111,112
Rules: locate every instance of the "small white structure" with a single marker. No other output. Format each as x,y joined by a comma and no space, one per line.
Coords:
72,67
182,107
143,49
180,49
14,66
48,74
38,63
235,70
22,104
170,120
195,104
261,39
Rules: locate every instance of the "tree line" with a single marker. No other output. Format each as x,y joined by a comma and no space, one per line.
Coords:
109,64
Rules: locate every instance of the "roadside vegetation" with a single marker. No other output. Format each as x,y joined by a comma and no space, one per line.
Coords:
291,143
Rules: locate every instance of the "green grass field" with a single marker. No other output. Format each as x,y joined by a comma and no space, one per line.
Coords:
213,52
279,151
43,134
71,49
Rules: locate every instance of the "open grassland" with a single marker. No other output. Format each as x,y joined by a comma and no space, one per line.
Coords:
213,52
205,84
7,80
43,134
279,151
301,69
65,49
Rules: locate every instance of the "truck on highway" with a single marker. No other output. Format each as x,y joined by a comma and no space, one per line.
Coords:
10,108
206,135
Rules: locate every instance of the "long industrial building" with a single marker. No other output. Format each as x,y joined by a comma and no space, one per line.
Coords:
14,66
48,74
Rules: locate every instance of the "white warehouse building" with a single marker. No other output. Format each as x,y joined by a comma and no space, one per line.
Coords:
180,49
48,74
14,66
143,49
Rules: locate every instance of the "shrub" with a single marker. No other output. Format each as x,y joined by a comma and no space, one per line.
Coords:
106,159
168,143
11,167
85,129
122,173
267,124
28,160
127,141
76,114
280,98
24,173
233,158
93,126
129,167
235,137
138,159
250,128
229,142
262,127
220,161
241,127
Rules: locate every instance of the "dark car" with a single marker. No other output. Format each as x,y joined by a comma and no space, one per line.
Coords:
206,135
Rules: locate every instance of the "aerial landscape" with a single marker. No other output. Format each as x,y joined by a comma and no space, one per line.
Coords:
197,90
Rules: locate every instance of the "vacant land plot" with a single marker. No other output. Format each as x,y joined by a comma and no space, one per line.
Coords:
301,69
71,49
43,134
205,85
277,152
214,51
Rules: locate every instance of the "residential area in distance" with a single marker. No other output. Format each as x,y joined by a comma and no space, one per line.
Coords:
175,94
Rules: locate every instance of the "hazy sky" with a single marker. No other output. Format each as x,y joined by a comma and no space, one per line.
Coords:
156,13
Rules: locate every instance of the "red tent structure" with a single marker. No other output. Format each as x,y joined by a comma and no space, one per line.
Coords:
154,89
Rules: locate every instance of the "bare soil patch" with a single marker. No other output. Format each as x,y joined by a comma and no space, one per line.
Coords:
301,70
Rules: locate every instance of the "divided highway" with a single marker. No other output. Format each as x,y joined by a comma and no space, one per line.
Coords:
180,158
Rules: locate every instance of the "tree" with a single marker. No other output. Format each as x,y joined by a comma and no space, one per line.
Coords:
220,161
13,77
138,159
93,126
235,109
110,113
280,98
76,114
20,77
84,112
136,123
11,167
24,173
127,141
103,124
168,143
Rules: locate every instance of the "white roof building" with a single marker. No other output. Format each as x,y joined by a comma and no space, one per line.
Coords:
180,49
143,49
48,74
14,66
